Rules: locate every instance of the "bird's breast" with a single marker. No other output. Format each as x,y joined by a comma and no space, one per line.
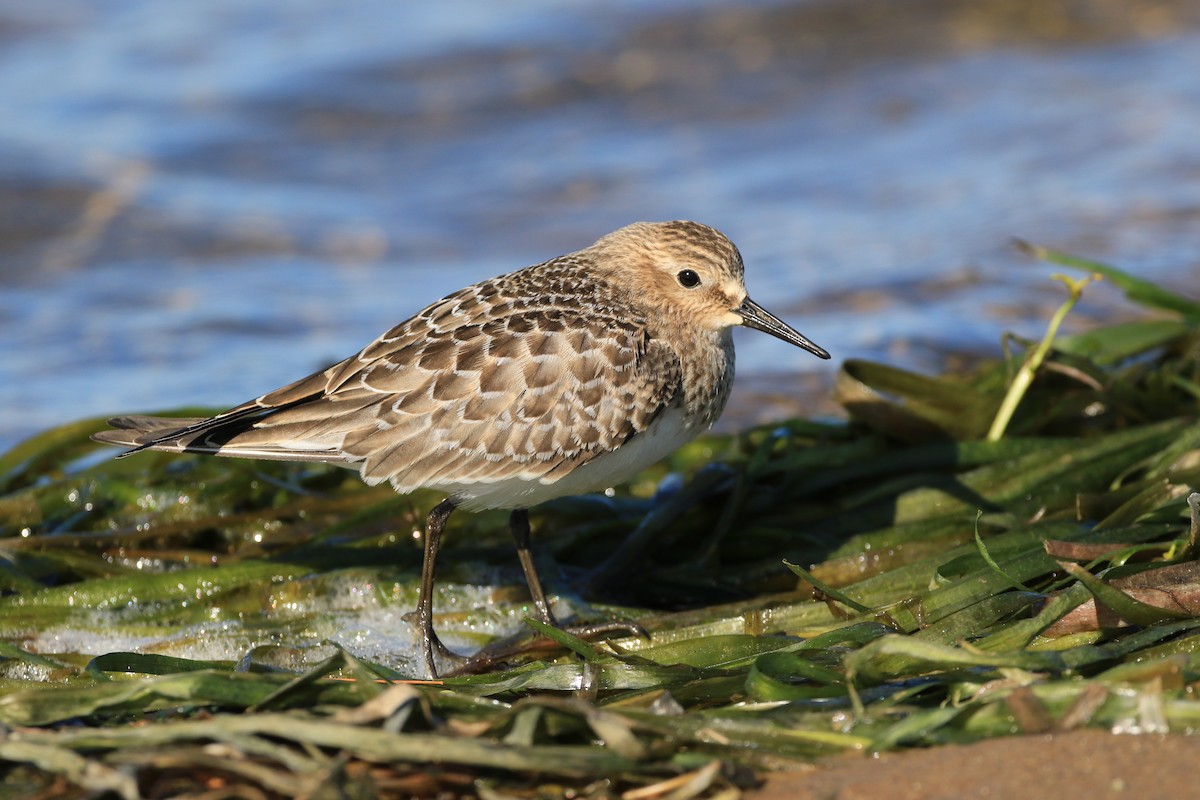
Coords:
707,361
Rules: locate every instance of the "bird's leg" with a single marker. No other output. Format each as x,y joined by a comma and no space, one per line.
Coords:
427,640
518,524
502,651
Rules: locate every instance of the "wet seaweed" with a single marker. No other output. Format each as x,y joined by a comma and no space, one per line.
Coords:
173,625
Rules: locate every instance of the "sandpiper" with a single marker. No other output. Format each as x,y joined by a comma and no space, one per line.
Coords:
562,378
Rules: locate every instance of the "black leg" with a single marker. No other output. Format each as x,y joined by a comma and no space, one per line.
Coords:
426,638
518,523
502,651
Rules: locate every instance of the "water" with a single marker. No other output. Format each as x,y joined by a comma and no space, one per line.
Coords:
204,201
352,608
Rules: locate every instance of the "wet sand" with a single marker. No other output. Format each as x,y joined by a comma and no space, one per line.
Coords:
1088,764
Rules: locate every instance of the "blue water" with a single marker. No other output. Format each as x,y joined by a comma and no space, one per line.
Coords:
203,200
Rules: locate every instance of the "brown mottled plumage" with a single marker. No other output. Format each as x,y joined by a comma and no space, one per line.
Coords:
560,378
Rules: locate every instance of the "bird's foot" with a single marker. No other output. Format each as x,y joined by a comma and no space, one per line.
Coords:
444,655
529,643
431,652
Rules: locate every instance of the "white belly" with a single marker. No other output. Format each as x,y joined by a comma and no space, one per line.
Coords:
664,436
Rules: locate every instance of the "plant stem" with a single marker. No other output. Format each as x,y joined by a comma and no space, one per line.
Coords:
1033,361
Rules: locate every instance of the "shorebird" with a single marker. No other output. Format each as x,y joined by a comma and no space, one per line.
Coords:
561,378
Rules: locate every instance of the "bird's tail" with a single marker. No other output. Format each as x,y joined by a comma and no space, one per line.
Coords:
222,435
142,431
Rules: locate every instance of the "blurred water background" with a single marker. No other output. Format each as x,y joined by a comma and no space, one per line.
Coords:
205,199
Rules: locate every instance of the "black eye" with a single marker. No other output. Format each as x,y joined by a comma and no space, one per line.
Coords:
688,279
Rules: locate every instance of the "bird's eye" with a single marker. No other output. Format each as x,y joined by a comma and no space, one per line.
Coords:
688,279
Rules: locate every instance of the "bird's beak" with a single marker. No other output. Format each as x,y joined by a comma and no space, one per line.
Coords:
755,316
